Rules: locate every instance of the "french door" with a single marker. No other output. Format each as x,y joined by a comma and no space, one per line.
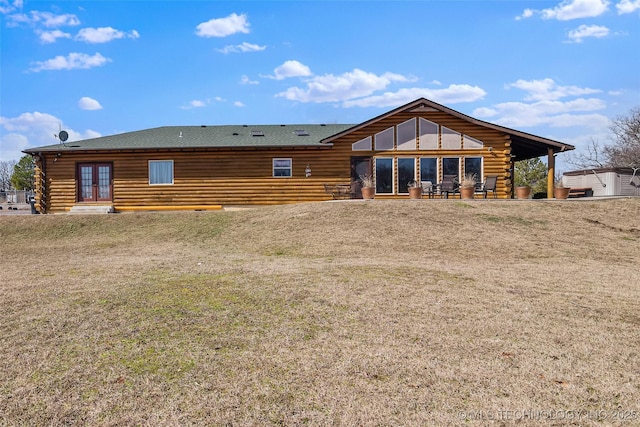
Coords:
94,182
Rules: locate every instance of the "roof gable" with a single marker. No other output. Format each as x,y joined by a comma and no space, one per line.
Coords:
524,145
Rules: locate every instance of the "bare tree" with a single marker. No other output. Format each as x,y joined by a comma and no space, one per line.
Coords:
593,156
625,152
6,171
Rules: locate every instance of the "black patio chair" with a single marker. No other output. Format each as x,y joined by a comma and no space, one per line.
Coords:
449,185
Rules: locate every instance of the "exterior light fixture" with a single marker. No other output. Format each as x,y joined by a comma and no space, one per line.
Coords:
307,171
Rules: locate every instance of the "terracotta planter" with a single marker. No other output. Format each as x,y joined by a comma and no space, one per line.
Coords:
368,192
467,192
523,192
561,192
415,192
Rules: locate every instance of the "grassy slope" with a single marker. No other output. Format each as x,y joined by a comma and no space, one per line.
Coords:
380,313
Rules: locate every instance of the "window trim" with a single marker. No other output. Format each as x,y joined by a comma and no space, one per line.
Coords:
150,162
274,167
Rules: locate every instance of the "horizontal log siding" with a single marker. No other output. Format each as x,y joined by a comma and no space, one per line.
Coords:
496,162
203,178
244,176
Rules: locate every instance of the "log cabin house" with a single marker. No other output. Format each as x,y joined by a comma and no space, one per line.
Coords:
200,167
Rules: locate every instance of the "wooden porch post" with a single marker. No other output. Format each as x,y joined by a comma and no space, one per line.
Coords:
551,174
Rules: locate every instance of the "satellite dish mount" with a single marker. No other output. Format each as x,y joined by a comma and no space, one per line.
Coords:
62,135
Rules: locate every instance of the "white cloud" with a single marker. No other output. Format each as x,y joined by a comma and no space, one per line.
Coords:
289,69
242,48
239,104
547,89
628,6
7,7
104,35
547,107
86,103
245,80
71,62
222,27
528,13
584,31
570,9
196,103
52,36
34,130
347,86
451,95
47,19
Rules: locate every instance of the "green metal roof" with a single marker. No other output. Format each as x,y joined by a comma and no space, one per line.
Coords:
193,137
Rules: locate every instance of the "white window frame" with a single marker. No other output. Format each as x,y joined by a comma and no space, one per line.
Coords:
464,168
419,170
397,177
156,181
393,173
275,167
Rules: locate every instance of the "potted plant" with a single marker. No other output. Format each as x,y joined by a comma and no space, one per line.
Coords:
522,191
468,186
530,176
415,189
560,191
368,186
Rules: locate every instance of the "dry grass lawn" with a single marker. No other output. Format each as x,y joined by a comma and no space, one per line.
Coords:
403,313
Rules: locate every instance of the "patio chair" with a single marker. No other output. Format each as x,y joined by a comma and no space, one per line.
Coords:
489,184
427,188
449,185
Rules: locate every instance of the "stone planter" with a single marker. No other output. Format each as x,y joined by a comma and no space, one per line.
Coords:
561,192
368,192
523,192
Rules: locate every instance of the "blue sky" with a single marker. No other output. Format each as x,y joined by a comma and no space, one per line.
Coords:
558,69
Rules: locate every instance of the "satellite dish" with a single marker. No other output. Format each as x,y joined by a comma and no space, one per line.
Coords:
63,135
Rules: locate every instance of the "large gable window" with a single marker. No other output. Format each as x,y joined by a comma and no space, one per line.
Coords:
362,145
160,172
428,135
384,140
282,167
407,135
471,143
451,139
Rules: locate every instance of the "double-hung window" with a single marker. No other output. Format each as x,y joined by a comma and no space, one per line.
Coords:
282,168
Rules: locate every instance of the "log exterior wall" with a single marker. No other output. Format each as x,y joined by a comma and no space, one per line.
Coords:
244,176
